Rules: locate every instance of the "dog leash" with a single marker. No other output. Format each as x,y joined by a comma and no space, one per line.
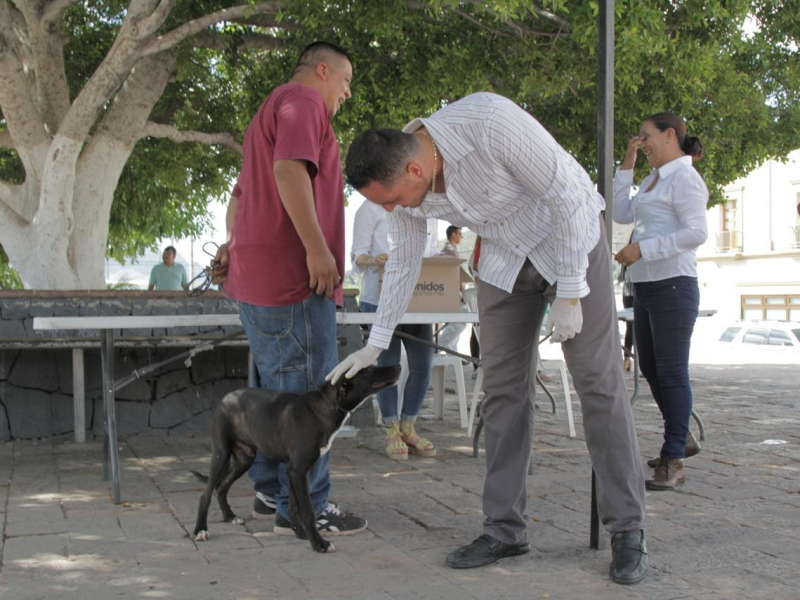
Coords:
185,356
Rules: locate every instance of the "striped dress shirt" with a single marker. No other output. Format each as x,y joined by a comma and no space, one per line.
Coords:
508,180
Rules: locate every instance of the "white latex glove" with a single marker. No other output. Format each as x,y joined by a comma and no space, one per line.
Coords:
354,363
566,319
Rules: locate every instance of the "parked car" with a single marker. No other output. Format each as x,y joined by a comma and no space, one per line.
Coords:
763,333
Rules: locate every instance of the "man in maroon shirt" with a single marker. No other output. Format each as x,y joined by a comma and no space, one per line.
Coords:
284,258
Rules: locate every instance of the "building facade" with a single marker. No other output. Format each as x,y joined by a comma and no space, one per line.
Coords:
749,268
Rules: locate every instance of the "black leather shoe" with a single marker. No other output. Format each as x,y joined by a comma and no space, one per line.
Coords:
483,551
629,560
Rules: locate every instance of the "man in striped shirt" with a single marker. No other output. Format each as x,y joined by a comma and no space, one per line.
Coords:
486,164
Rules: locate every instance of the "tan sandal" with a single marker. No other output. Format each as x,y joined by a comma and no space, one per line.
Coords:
416,445
396,448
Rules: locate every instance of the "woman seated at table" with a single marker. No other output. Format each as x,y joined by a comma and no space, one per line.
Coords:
669,217
370,251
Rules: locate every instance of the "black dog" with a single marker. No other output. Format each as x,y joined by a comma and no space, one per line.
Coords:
292,428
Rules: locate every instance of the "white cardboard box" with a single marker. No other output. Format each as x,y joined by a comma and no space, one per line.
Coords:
438,288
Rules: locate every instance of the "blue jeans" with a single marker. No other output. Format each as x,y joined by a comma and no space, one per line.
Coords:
664,313
294,347
420,362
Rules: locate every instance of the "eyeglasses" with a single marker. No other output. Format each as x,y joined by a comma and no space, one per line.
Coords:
204,279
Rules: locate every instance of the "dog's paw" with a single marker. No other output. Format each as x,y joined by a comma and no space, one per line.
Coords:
325,546
237,521
201,536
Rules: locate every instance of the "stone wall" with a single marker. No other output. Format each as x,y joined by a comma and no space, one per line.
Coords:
36,397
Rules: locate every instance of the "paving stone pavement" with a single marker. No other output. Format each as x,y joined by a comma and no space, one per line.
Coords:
732,531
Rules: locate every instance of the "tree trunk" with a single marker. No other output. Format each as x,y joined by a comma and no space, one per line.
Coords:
54,226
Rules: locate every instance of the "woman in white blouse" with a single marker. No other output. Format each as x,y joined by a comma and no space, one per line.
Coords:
669,217
370,251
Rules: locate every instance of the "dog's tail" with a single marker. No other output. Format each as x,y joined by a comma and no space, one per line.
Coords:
200,476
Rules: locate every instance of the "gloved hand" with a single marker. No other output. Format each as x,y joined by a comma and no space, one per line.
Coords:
354,363
566,319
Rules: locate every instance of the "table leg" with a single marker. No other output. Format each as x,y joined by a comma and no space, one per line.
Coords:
110,429
252,374
477,437
635,365
78,395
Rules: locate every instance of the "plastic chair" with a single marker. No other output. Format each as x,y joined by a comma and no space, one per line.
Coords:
561,367
440,363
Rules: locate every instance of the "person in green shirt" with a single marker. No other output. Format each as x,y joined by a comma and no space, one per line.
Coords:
168,275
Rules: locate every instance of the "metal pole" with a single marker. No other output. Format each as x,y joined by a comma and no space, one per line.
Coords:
605,175
605,112
110,437
252,372
78,395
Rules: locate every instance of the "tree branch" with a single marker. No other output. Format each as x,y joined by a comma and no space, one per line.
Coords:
519,30
249,41
158,130
8,216
54,9
151,24
12,200
24,124
174,37
476,22
5,140
7,192
562,23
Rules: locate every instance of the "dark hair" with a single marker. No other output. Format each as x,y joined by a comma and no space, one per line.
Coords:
691,145
313,54
451,230
379,155
168,248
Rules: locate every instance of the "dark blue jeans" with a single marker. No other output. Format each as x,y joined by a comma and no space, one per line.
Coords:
664,313
294,348
420,362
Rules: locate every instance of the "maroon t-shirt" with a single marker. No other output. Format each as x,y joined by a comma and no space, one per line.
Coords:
267,258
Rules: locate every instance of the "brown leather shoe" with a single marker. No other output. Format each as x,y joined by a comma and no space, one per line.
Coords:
669,475
691,448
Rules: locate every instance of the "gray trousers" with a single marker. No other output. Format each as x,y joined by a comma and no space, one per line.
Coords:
510,325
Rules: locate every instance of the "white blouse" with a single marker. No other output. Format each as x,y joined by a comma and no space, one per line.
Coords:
669,220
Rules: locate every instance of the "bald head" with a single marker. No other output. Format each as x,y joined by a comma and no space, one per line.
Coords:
321,52
328,69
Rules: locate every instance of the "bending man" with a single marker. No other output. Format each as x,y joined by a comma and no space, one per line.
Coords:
486,164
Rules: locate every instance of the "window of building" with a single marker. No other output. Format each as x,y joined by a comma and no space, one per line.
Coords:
771,307
730,235
794,232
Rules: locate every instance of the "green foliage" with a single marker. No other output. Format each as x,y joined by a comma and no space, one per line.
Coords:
740,93
122,284
737,92
9,278
166,188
